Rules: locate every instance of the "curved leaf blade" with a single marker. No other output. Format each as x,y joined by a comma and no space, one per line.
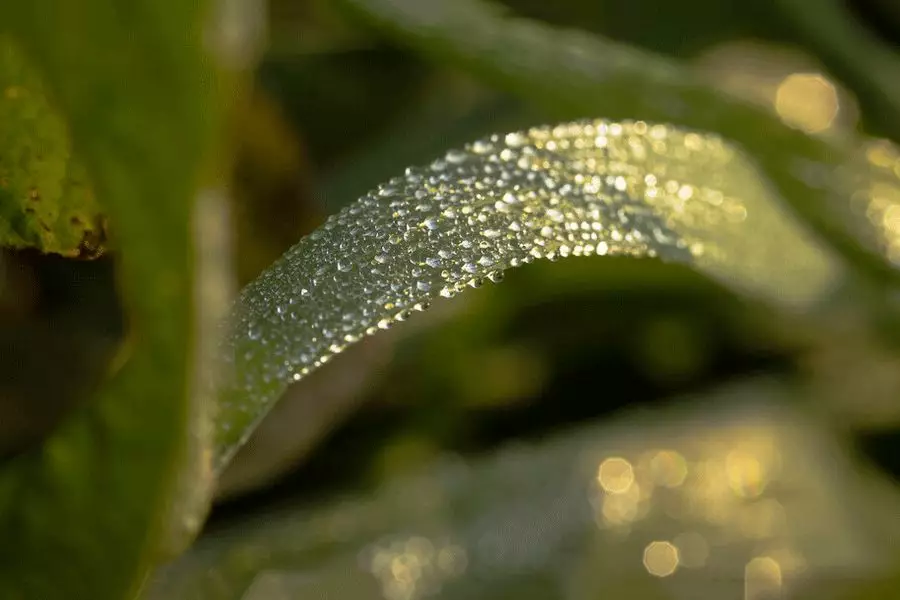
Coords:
577,189
855,54
576,75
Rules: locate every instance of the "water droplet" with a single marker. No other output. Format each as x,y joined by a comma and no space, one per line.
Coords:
482,147
456,157
514,140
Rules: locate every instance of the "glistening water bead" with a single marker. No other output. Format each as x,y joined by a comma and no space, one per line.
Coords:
579,189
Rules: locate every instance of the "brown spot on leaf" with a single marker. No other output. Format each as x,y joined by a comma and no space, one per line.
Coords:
92,244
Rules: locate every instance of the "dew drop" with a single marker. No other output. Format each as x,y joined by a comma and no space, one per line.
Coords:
515,140
482,147
456,157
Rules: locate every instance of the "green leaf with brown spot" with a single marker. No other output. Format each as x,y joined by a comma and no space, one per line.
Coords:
46,201
87,514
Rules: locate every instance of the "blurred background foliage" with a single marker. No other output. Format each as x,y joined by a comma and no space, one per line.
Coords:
338,106
362,108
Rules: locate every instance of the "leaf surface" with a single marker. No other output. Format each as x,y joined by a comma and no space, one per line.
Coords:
726,478
588,188
46,201
85,515
575,75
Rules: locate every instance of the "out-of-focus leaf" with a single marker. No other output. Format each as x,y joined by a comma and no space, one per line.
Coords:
454,110
859,58
271,182
580,189
791,84
45,200
574,74
856,380
736,485
681,29
837,36
871,181
299,28
362,90
85,515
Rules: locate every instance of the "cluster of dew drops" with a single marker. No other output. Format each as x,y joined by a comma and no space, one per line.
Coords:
501,202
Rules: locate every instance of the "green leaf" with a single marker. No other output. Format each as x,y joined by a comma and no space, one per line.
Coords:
727,477
85,515
862,61
45,199
577,189
574,74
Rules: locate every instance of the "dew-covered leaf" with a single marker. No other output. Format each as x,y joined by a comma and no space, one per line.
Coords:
579,189
576,75
870,180
303,416
694,500
86,514
45,199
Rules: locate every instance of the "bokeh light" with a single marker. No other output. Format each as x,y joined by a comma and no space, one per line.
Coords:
615,475
762,579
807,101
661,558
